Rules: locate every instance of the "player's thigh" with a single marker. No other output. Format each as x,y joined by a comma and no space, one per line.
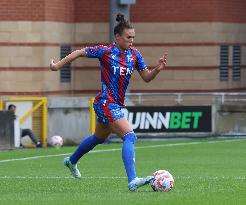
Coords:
121,127
102,130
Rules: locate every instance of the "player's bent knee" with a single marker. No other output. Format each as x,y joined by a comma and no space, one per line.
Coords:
102,135
99,140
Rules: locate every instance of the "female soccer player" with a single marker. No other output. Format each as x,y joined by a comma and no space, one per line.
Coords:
117,61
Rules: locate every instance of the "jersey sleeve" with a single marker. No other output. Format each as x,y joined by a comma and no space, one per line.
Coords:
140,64
95,51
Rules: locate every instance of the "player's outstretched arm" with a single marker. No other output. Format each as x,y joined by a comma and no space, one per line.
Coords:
68,59
148,75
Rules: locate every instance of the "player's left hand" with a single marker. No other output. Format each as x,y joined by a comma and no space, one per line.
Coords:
162,62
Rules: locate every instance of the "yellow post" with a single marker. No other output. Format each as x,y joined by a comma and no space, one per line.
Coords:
25,99
92,117
41,104
30,112
44,122
1,104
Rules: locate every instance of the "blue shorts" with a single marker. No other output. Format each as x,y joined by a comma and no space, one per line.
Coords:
108,112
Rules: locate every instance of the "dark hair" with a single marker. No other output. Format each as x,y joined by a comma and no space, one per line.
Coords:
10,106
123,24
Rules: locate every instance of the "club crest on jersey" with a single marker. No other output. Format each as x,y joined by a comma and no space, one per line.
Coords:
129,58
113,56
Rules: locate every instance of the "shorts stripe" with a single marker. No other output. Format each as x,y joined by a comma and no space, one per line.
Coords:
107,113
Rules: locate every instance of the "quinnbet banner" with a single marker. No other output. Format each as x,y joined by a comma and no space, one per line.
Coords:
170,119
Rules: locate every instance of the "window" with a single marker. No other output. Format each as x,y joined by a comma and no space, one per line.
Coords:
236,63
224,51
65,74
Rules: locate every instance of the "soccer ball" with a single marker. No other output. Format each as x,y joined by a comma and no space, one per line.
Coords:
56,141
162,181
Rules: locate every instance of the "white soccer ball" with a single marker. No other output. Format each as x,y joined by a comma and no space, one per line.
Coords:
162,181
56,141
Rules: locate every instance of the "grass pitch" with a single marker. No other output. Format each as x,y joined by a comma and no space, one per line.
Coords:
205,172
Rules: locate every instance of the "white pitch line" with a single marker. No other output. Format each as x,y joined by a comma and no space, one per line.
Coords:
58,177
212,177
117,177
119,149
189,143
35,157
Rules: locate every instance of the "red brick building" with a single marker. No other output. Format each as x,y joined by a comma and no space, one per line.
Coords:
206,42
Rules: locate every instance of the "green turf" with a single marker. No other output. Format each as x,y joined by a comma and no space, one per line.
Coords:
204,173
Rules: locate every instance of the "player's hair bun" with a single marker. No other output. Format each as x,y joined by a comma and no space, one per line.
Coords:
120,18
121,25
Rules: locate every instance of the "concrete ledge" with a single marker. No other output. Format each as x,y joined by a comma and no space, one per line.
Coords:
231,108
68,102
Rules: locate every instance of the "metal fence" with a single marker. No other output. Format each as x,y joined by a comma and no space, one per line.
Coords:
201,98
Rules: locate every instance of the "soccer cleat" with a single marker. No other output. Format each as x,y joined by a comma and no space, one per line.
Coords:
39,145
138,182
72,167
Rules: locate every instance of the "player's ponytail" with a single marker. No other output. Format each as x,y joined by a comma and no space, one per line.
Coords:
123,24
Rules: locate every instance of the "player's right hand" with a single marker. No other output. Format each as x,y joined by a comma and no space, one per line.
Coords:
53,65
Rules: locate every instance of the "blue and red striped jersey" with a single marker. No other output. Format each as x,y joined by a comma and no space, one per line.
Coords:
116,69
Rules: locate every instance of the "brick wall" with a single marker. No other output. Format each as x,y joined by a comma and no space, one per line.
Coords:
59,10
143,11
31,32
92,11
37,10
16,10
189,11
